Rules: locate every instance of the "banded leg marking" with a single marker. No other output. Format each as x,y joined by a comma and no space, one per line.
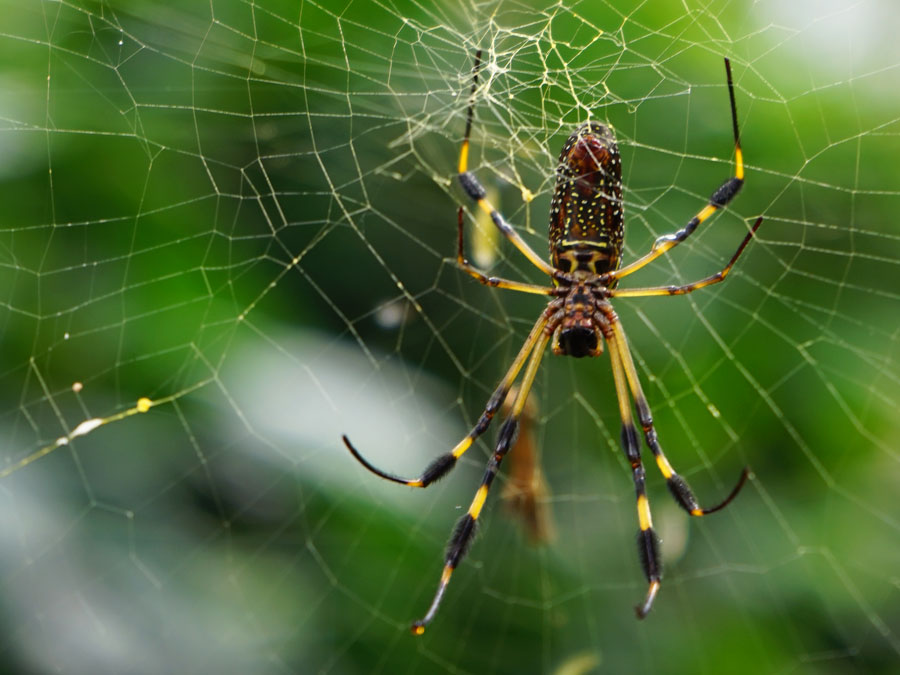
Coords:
495,282
473,188
647,540
689,288
719,199
443,464
677,485
464,531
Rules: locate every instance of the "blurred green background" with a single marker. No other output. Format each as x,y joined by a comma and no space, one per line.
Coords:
246,213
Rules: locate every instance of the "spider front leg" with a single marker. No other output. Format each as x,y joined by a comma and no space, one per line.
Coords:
464,531
677,485
647,540
441,466
626,378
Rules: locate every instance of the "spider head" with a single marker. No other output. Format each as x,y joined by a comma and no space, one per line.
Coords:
577,341
578,333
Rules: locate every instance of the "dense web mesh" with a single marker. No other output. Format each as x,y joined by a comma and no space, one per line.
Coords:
227,237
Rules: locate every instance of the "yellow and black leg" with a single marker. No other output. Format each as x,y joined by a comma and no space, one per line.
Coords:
464,531
693,286
441,466
677,485
496,282
473,188
647,541
722,196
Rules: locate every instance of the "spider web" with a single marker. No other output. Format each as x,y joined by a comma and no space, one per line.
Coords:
227,237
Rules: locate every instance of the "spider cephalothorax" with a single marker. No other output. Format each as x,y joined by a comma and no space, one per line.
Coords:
576,331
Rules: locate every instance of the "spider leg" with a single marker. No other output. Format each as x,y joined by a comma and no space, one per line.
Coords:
444,463
494,281
689,288
476,192
721,197
677,485
647,540
464,531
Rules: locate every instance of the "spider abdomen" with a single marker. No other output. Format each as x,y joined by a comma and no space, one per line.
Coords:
586,220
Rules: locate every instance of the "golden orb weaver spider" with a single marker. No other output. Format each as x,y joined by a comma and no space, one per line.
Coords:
586,233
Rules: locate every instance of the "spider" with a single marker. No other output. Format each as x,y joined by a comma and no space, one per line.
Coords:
586,232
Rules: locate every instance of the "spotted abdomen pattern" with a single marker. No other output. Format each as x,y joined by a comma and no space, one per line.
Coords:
586,224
